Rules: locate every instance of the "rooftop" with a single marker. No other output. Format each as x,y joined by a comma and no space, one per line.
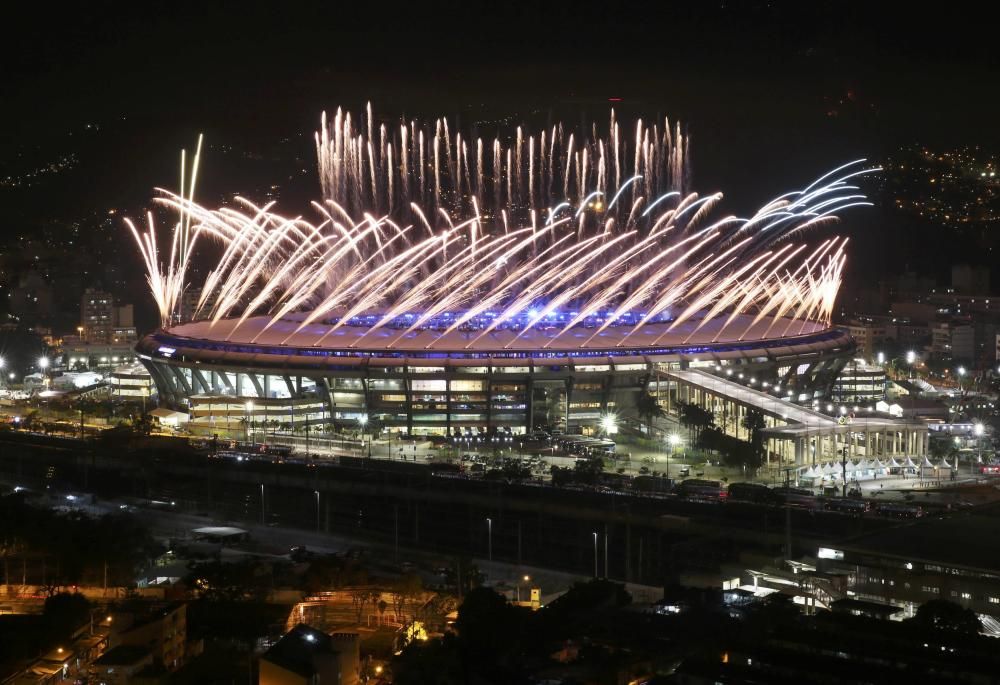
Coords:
801,420
290,332
296,650
123,655
959,539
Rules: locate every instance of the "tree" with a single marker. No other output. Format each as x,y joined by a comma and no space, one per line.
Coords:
588,470
942,615
648,408
142,424
942,447
694,417
754,423
407,587
66,611
360,598
488,627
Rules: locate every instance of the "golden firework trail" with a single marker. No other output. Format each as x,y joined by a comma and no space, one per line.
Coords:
422,231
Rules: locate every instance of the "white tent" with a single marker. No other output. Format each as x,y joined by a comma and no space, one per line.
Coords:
877,465
927,464
893,464
829,468
809,473
945,464
909,463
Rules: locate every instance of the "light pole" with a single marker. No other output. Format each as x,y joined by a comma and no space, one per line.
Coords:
595,554
961,377
526,579
978,430
674,440
43,364
363,420
317,509
609,424
911,358
489,538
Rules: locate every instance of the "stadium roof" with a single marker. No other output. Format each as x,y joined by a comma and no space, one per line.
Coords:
284,333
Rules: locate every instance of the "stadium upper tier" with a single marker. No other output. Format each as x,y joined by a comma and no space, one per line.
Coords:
226,340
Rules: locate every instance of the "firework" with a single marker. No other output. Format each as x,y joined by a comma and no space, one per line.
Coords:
420,232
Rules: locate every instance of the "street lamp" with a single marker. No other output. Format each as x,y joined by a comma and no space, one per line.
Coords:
674,440
489,538
525,579
43,364
317,509
595,554
978,430
609,424
363,420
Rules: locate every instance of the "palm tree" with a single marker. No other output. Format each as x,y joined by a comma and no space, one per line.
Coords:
648,409
694,417
755,424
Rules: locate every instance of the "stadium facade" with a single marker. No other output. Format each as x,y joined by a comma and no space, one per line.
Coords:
422,383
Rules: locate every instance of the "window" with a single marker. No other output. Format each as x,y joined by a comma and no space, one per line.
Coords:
994,600
630,367
930,589
966,595
432,385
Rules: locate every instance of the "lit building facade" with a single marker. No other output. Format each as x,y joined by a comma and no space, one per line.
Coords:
859,383
460,388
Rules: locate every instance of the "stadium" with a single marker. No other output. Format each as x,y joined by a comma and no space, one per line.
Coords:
451,287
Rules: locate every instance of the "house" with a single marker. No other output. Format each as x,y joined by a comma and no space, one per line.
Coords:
119,665
306,656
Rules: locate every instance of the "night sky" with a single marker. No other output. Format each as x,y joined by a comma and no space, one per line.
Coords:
772,93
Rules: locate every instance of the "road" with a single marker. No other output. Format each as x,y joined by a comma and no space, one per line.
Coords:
166,524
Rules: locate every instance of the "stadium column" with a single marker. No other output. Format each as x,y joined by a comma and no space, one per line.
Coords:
327,400
569,398
447,402
408,391
528,401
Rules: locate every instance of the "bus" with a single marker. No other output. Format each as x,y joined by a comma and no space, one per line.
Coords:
848,506
696,488
752,492
900,510
797,497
